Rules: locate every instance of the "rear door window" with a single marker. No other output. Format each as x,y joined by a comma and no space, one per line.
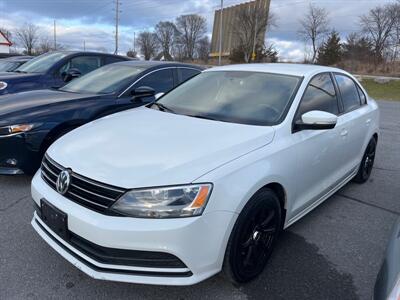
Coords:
111,60
348,90
187,73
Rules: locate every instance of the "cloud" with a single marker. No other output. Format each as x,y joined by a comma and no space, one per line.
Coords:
93,21
288,50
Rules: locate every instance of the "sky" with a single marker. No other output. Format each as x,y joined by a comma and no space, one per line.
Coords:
93,21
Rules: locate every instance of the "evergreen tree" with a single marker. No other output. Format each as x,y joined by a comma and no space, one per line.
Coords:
358,48
330,52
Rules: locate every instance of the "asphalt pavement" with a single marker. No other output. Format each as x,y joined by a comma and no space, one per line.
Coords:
333,253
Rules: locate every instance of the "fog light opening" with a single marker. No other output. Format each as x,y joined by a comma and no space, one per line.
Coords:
12,162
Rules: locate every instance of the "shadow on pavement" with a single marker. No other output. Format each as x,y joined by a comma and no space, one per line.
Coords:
297,271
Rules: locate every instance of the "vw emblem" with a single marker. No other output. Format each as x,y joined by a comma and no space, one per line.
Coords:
63,182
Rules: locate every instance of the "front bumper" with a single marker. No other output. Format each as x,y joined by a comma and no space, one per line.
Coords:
23,149
198,242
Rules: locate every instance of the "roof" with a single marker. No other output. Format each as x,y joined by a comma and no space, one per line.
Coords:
151,63
278,68
18,58
8,43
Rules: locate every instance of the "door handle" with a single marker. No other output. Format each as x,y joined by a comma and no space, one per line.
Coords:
368,121
344,133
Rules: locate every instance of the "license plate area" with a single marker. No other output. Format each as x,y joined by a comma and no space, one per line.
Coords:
55,219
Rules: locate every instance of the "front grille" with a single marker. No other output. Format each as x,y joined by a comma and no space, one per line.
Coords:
84,191
134,258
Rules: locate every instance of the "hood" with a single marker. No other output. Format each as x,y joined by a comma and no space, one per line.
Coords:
25,103
15,80
145,147
14,76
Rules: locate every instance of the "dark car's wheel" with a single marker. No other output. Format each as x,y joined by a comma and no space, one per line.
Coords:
253,237
367,163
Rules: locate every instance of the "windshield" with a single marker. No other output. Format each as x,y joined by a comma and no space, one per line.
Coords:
41,63
106,80
7,66
233,96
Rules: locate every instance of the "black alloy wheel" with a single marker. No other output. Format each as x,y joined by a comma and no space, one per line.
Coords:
253,237
367,163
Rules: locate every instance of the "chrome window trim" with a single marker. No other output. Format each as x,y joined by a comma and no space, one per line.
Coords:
144,76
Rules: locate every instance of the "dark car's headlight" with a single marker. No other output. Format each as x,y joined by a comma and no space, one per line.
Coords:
15,129
165,202
3,85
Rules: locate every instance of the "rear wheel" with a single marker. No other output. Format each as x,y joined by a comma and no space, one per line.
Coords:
253,237
367,163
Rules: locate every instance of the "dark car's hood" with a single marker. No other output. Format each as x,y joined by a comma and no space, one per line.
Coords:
27,102
14,76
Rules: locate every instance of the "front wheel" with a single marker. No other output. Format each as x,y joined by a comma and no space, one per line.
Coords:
367,163
253,237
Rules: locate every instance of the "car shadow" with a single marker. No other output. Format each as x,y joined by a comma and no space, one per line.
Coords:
297,270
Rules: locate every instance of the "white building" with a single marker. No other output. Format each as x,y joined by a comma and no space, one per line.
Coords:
5,44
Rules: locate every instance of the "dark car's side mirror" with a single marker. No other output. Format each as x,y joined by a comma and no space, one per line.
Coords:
71,74
142,92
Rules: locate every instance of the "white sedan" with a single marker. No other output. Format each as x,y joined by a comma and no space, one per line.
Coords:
204,179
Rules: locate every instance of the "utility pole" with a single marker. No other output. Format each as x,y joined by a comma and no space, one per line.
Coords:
117,4
220,33
55,35
84,45
256,12
134,42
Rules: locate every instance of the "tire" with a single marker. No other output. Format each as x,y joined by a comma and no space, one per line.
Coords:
367,163
253,237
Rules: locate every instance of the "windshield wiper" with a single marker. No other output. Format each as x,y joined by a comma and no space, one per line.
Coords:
18,71
203,117
162,107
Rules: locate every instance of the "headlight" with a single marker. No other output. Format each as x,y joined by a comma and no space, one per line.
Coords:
14,129
3,85
165,202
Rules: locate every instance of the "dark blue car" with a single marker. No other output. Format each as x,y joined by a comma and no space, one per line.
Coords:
53,70
12,63
31,121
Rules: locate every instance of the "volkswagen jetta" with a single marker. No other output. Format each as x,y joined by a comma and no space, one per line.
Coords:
205,178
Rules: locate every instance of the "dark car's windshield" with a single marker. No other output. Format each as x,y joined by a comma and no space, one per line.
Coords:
106,80
41,63
233,96
7,66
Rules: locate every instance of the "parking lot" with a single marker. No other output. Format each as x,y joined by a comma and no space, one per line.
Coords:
333,253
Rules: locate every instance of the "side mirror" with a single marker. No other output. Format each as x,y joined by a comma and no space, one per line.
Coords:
143,92
159,95
71,74
316,120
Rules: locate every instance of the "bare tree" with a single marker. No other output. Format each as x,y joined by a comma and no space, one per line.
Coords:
250,26
45,45
148,44
28,37
131,53
379,25
314,28
203,48
166,33
191,28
